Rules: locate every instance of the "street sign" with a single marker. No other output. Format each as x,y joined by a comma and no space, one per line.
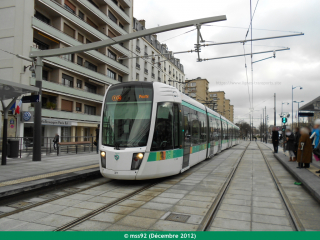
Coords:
30,99
306,114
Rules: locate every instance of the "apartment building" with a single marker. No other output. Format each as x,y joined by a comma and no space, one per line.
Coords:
74,84
198,90
222,105
156,62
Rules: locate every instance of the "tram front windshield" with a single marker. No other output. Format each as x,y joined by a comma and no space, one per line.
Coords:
127,116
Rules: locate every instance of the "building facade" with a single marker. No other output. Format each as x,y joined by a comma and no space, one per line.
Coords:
198,89
74,84
153,61
222,105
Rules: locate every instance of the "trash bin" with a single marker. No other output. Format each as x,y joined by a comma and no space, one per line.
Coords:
13,148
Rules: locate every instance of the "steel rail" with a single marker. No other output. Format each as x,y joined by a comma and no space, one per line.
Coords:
207,220
293,215
103,208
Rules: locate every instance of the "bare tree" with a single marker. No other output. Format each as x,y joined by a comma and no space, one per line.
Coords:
244,128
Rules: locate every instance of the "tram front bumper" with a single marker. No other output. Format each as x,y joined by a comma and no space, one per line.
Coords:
124,175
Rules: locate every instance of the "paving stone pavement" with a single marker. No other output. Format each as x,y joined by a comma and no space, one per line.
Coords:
190,193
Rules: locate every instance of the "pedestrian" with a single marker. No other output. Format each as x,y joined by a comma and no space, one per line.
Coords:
315,135
97,137
304,149
55,141
297,136
275,139
290,143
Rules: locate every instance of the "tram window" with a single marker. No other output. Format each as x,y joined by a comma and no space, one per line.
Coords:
187,130
195,132
203,128
163,131
177,126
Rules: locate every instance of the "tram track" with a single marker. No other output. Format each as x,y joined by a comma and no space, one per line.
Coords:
292,213
48,200
208,219
210,216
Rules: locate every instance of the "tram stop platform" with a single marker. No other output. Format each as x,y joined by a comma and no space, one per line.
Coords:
22,175
307,176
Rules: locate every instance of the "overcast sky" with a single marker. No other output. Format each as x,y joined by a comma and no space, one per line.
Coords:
298,66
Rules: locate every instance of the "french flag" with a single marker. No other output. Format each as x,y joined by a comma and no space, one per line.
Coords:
18,107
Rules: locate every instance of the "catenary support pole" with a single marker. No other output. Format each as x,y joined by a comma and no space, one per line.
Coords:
265,114
37,128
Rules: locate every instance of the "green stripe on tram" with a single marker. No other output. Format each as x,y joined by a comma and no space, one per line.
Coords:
193,107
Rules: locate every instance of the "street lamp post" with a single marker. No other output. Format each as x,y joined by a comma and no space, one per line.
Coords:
298,110
292,101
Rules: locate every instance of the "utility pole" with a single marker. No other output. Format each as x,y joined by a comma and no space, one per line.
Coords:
262,125
266,130
275,111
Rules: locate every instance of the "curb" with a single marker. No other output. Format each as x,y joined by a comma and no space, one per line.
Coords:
45,182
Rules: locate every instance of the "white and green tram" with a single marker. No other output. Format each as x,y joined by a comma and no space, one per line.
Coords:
151,130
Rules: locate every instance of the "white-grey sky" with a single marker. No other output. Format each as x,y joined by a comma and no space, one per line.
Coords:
298,66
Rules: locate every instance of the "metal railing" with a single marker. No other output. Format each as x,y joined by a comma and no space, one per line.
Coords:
69,145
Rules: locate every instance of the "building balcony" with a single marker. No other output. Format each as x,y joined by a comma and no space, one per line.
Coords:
61,10
119,11
86,72
62,37
146,71
73,92
127,3
138,66
102,16
138,48
68,115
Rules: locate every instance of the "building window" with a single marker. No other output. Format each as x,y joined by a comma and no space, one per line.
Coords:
78,107
120,25
67,80
69,6
90,110
137,76
91,66
80,61
111,34
112,55
145,79
115,2
66,105
42,18
112,17
45,75
81,15
93,3
80,38
90,88
69,30
79,83
120,79
145,50
111,74
68,57
92,24
88,41
40,45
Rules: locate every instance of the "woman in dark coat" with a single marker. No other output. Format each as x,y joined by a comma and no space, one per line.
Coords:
290,144
297,136
275,139
304,149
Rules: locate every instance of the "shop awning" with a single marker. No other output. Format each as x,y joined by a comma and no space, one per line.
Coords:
10,90
313,106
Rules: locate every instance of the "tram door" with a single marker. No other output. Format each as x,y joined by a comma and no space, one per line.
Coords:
212,136
187,137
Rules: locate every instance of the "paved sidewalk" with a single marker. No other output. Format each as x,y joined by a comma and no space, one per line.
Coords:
309,179
23,174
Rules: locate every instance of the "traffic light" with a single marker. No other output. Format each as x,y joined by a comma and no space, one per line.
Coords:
284,120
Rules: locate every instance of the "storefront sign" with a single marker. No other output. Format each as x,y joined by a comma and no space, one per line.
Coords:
55,122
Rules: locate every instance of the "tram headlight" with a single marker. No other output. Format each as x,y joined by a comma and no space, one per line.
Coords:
136,161
103,159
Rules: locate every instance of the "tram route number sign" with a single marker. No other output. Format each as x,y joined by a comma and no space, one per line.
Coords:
118,98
